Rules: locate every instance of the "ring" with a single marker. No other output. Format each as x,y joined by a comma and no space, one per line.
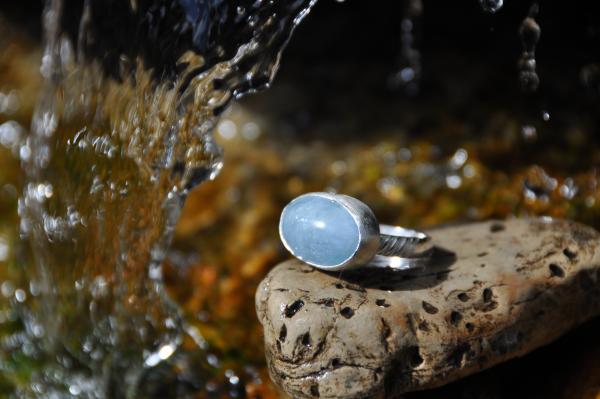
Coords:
337,232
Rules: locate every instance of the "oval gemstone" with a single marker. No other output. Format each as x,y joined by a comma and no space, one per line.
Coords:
319,231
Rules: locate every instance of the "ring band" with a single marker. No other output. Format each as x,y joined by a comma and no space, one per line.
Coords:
398,241
398,249
338,232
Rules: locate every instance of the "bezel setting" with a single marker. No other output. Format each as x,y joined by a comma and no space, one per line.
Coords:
368,231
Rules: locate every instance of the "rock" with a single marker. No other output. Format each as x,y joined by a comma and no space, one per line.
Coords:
510,287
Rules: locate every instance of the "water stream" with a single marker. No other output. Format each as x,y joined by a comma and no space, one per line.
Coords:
121,133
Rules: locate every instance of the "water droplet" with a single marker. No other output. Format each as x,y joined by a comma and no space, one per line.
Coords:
34,288
590,78
590,201
11,135
338,168
4,249
459,158
529,32
545,116
7,288
453,181
9,103
227,129
213,360
391,188
469,171
211,387
25,153
491,6
538,185
529,133
20,295
74,390
166,351
409,66
250,131
569,189
404,154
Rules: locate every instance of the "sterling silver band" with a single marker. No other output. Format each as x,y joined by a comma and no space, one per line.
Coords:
398,241
398,248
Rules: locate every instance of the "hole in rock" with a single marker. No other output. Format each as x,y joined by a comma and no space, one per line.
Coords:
282,333
556,270
306,339
455,317
496,227
314,390
292,309
429,308
347,312
569,254
487,295
414,357
382,303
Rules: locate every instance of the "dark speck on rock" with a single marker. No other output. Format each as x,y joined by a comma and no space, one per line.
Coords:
292,309
382,303
487,295
570,254
463,297
556,270
314,390
496,227
306,341
282,333
455,318
429,308
347,312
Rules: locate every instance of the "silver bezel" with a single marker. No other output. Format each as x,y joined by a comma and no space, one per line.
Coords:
368,230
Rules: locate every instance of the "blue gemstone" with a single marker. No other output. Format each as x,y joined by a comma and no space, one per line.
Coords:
319,230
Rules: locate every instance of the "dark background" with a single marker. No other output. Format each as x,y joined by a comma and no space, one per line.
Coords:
360,32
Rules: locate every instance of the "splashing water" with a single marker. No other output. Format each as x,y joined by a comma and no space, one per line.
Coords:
121,133
491,6
530,35
409,72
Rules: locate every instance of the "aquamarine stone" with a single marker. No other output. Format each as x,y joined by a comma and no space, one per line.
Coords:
319,231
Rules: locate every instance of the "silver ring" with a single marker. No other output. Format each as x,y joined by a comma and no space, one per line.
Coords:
337,232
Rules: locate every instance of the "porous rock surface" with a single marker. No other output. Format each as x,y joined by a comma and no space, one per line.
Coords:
510,287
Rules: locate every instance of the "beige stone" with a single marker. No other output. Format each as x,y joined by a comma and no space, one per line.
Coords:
511,287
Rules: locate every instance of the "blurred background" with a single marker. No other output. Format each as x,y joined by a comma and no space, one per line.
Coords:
427,111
